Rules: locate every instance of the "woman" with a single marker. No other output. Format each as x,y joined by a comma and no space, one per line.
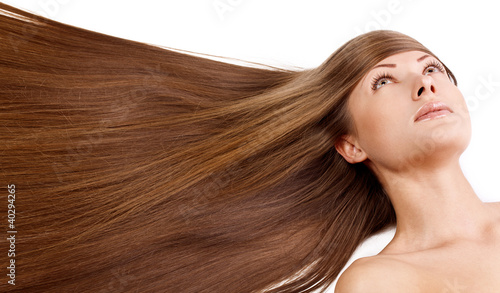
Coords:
140,169
446,237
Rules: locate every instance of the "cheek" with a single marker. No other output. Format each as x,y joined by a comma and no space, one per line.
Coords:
459,104
380,126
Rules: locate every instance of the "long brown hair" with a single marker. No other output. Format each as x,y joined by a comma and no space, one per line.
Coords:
142,169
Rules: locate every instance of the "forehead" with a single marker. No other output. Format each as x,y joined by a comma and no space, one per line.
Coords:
410,56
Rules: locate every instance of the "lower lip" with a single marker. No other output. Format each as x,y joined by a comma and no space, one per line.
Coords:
433,115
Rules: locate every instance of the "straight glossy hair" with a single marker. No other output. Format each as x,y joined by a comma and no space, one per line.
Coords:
141,169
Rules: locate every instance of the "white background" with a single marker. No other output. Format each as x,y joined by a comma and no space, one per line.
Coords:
463,34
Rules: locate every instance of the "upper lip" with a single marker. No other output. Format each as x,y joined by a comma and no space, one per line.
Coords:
431,107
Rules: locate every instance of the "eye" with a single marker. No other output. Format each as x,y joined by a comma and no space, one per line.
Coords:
433,66
381,80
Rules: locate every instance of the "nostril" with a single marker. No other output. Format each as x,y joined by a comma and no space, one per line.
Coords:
420,91
432,89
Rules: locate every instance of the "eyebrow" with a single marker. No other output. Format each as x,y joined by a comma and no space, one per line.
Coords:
394,65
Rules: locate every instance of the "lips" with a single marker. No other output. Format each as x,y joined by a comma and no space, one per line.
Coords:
431,110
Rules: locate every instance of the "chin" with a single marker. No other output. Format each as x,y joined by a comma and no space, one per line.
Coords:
446,137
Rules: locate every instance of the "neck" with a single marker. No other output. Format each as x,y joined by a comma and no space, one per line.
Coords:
435,206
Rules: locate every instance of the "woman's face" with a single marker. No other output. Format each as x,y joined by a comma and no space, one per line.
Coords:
386,105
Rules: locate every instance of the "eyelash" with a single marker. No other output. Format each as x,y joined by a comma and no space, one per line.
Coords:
388,76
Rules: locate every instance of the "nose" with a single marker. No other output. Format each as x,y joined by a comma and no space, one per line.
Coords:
424,86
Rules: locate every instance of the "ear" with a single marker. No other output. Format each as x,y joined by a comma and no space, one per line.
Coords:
348,148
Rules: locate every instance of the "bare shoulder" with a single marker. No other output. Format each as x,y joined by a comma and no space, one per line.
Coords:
378,274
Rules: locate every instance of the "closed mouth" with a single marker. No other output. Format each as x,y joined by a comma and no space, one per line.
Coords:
432,110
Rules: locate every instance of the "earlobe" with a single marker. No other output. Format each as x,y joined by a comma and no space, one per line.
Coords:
348,149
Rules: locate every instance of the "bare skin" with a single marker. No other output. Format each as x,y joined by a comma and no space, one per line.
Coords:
447,239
